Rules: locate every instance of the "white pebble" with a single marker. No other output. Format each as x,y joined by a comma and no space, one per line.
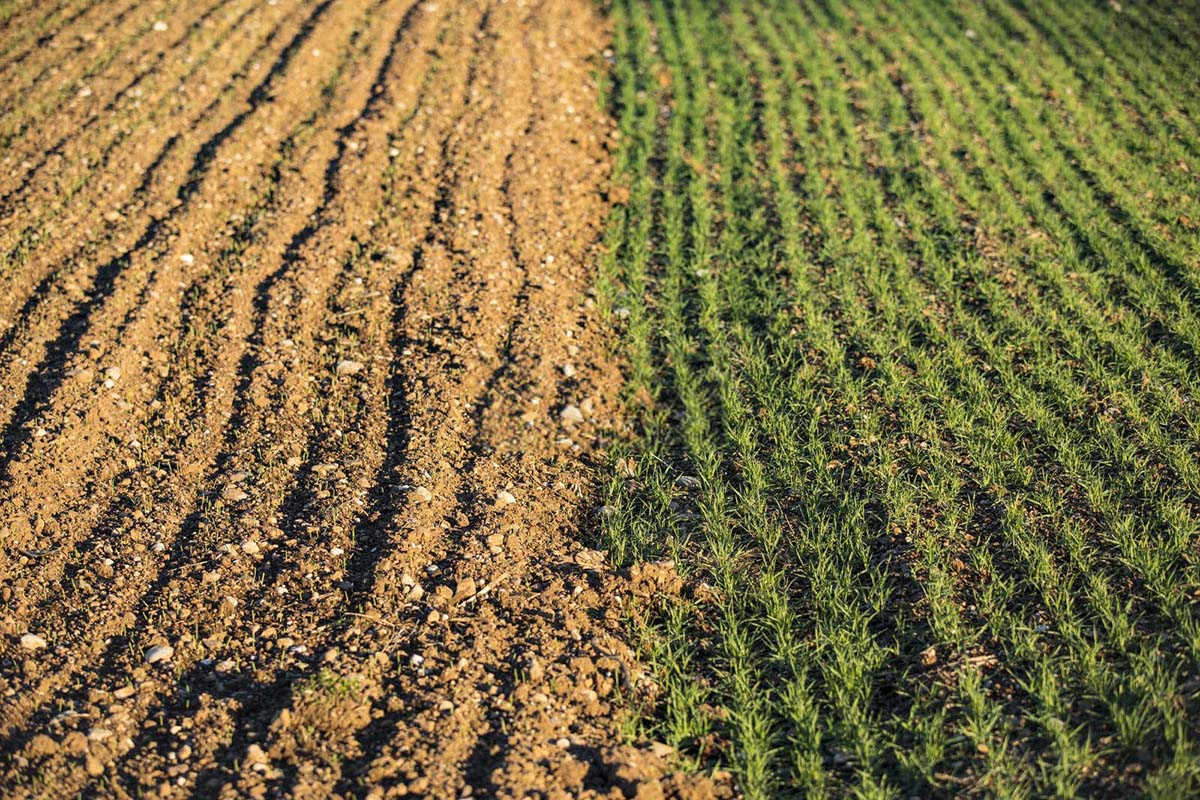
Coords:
31,641
160,652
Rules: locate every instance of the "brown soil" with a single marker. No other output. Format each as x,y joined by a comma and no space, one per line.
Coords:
294,298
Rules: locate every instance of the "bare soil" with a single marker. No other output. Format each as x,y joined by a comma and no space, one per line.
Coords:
302,385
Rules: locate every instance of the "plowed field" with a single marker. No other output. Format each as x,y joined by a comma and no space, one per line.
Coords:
300,378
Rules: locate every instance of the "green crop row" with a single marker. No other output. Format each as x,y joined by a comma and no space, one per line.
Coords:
908,295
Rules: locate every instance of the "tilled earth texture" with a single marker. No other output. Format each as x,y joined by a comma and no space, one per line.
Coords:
301,388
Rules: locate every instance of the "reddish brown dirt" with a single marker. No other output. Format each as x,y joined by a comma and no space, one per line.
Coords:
294,297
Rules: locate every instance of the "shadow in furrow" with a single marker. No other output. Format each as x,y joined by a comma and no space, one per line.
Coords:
59,87
259,95
45,38
267,700
489,750
181,553
8,199
371,541
17,255
102,286
51,371
364,562
250,361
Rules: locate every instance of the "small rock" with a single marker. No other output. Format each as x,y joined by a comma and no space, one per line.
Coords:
929,656
31,641
125,692
250,547
416,660
99,734
423,494
590,559
506,497
160,652
563,743
571,415
187,258
234,494
348,367
113,373
255,755
160,26
568,371
42,745
464,589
